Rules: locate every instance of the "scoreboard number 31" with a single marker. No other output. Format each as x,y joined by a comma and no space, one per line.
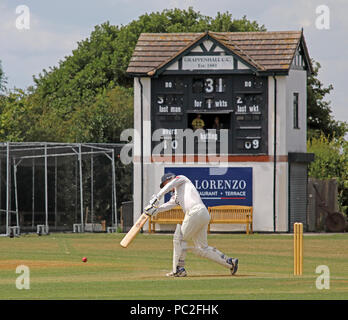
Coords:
209,85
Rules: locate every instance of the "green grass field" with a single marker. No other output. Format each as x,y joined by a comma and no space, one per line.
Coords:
265,272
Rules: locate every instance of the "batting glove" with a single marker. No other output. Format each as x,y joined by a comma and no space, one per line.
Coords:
154,201
150,210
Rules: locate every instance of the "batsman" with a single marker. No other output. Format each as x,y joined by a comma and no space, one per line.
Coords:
194,226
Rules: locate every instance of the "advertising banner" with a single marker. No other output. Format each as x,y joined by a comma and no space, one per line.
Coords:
222,186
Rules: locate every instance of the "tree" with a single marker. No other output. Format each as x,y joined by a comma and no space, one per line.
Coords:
18,117
223,22
2,79
319,114
331,161
105,119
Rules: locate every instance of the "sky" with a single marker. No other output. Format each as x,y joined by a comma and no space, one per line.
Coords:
55,28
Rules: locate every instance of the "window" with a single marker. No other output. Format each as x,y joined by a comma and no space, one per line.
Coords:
295,102
209,121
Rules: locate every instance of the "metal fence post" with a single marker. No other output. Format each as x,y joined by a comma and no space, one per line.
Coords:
114,186
46,190
8,177
81,189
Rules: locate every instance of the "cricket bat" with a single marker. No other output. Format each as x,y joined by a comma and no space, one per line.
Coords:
129,237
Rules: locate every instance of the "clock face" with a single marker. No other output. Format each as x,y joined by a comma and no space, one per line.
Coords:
236,103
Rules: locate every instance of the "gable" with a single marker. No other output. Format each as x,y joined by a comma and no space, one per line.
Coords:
299,59
207,54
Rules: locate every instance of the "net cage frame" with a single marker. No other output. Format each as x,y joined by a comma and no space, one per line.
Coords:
14,153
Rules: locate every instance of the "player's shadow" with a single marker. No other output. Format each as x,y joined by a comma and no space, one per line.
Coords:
220,276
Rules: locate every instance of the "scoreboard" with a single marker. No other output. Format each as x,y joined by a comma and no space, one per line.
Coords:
236,103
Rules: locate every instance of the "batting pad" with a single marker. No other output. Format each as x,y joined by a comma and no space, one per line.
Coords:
179,250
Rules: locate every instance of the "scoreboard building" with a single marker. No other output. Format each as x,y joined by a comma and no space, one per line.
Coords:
228,110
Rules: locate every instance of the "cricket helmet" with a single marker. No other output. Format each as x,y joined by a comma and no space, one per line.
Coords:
165,177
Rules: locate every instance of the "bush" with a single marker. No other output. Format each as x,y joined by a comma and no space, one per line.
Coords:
331,161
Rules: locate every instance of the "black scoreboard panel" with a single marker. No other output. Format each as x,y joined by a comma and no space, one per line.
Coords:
168,103
250,129
240,101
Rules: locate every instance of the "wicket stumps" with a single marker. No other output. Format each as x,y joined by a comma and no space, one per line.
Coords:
298,249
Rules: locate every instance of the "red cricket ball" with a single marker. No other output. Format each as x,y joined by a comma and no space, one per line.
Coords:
84,259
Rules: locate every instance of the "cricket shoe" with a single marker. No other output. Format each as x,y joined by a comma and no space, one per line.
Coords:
180,272
234,265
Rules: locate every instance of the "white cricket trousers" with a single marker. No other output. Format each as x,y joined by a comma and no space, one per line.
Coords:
195,228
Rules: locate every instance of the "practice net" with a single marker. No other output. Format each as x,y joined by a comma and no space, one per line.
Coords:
48,187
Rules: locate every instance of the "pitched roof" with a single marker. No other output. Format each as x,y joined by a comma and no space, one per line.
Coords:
265,51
